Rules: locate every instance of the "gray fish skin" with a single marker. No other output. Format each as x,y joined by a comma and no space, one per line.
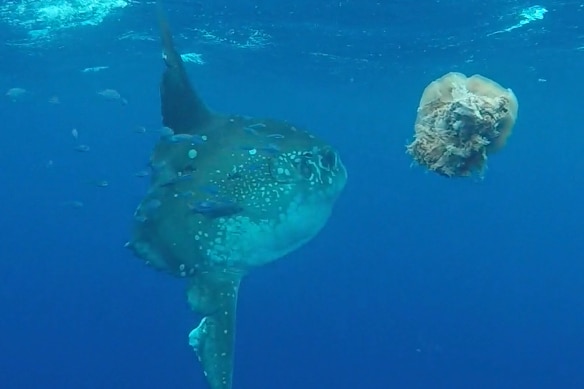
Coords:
278,201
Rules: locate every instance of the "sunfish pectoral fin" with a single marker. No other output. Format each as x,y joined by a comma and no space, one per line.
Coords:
182,109
213,340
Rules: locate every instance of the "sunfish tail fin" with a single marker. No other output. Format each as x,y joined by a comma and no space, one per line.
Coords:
214,339
182,109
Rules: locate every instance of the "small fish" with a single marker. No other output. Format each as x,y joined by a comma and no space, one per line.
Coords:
113,95
256,125
75,134
158,165
94,69
214,209
166,132
252,167
234,175
178,179
140,130
271,149
185,194
247,148
275,136
16,94
98,183
210,189
82,148
73,204
150,205
142,173
185,138
251,130
183,176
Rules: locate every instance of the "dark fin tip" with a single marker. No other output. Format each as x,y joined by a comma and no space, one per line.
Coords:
182,109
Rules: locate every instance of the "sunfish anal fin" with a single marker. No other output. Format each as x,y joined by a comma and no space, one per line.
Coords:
182,109
215,297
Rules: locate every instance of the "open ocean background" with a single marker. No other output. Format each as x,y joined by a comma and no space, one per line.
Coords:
417,281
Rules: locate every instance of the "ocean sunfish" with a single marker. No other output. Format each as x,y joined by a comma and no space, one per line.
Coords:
228,193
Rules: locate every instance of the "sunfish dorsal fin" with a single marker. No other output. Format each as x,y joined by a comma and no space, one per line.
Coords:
182,109
215,297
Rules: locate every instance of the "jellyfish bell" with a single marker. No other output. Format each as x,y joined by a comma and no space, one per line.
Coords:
460,122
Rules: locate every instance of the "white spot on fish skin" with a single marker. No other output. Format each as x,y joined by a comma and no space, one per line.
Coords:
252,152
192,154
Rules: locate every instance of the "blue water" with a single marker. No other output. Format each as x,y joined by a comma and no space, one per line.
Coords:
416,282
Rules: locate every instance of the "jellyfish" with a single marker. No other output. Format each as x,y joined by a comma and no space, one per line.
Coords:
460,122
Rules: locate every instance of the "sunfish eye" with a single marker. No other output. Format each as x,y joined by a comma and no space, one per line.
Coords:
328,159
305,169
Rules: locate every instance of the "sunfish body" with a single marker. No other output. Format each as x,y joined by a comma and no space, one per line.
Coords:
228,194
